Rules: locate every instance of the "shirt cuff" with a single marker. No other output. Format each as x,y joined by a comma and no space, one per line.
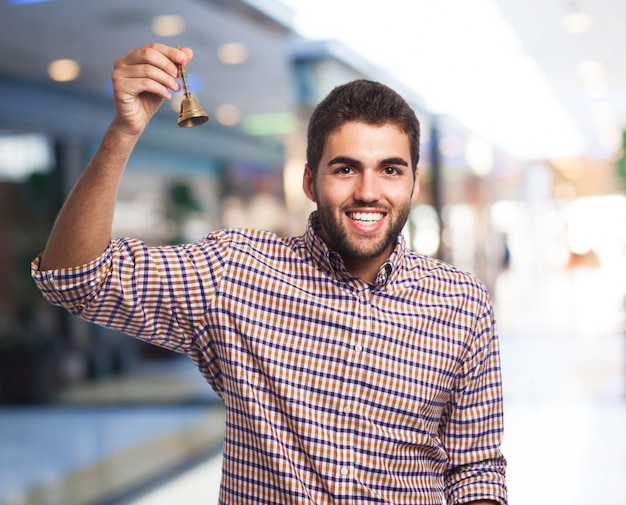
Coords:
478,485
75,287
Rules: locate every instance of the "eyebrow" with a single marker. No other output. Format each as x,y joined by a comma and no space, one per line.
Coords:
351,161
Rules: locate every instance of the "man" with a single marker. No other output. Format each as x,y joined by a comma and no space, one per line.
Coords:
352,369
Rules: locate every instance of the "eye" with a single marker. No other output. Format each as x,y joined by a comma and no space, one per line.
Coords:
391,170
345,169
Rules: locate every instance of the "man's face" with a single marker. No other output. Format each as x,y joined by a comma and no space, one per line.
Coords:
363,189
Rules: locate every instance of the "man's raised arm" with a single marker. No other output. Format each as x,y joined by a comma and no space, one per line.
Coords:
142,79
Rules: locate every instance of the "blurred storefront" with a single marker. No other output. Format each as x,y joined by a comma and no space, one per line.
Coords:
180,183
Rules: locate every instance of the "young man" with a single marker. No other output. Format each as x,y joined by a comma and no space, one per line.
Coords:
352,369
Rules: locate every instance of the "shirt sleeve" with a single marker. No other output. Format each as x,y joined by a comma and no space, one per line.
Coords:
472,430
157,294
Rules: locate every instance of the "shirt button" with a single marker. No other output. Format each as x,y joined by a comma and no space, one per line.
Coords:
358,347
347,410
345,471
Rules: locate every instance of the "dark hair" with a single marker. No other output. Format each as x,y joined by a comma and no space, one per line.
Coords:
363,101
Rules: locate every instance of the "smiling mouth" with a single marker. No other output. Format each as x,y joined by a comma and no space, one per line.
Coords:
366,217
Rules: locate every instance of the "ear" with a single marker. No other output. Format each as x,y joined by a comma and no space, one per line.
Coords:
308,184
416,187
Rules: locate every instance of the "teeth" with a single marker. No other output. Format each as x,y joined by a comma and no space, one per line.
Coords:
367,217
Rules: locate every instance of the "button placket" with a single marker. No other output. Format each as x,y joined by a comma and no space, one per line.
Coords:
350,409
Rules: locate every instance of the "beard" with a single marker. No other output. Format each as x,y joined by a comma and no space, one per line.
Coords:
359,247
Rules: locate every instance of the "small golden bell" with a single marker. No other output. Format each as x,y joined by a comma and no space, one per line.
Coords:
191,114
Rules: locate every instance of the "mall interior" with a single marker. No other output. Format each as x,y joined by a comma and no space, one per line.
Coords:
92,417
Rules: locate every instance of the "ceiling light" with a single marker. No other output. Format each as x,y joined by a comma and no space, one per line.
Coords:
168,26
592,73
63,70
232,53
228,114
577,22
479,155
590,70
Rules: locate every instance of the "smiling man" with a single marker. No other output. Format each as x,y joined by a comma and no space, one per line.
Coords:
352,369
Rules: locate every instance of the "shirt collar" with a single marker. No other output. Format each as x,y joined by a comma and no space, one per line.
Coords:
332,264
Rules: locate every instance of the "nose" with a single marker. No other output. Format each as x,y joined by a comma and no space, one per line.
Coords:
368,187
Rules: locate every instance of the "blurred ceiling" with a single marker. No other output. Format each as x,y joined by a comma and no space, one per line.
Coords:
538,78
95,33
584,66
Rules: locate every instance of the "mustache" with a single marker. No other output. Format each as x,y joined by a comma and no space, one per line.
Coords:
365,206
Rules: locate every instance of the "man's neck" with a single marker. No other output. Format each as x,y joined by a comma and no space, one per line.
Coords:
364,269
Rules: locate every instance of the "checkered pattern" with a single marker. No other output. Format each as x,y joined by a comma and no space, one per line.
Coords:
336,391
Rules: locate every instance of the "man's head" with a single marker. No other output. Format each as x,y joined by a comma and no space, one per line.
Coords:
362,101
362,172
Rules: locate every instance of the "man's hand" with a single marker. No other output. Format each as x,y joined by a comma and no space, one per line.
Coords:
142,79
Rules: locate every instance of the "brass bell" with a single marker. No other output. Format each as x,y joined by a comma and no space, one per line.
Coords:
191,114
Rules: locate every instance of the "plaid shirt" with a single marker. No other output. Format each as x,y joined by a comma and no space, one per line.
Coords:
336,391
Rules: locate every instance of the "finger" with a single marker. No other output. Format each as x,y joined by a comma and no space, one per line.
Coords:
130,81
137,86
162,56
149,63
147,75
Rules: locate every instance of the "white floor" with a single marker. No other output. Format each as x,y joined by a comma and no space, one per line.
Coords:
199,485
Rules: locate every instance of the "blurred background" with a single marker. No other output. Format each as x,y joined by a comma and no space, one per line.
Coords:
523,176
